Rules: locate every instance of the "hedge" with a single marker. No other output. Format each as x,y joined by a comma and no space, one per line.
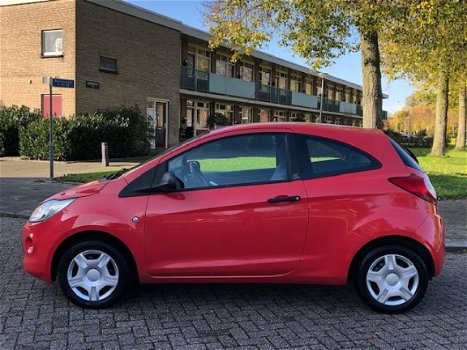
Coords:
79,137
12,119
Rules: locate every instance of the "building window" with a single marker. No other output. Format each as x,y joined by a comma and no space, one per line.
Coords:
264,115
52,43
246,115
295,83
280,116
339,94
330,90
224,66
246,71
281,80
107,64
203,60
308,87
226,110
265,76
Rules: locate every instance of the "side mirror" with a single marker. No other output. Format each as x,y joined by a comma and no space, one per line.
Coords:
168,183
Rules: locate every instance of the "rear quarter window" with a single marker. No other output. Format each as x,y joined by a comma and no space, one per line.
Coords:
325,157
405,156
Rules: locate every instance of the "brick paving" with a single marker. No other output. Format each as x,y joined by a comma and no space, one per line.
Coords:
37,316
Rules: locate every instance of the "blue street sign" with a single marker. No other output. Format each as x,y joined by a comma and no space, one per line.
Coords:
63,83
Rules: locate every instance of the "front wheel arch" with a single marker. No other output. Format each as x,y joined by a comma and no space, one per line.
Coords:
406,242
94,235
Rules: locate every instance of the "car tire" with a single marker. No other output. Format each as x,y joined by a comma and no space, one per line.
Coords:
93,274
391,279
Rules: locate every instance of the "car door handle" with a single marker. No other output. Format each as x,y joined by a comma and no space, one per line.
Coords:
279,199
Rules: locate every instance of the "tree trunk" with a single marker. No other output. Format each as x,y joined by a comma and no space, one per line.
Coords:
439,140
460,140
372,99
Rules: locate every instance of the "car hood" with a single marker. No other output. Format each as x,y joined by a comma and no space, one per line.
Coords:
83,190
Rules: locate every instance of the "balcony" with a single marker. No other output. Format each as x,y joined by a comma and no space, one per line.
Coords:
192,79
271,94
219,84
304,100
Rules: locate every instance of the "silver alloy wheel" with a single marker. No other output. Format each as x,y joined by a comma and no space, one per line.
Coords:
392,280
92,275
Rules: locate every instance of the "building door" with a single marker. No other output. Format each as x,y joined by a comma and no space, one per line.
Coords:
151,123
56,105
158,120
162,122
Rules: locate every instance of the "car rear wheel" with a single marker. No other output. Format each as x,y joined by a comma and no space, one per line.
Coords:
93,274
392,279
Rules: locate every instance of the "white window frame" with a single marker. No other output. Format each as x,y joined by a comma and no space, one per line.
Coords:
54,53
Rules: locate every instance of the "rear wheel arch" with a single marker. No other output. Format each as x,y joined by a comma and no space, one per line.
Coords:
93,235
406,242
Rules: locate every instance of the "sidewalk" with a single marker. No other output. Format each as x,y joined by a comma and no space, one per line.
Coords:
14,167
24,184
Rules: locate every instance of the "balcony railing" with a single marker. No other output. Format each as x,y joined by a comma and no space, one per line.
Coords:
271,94
192,79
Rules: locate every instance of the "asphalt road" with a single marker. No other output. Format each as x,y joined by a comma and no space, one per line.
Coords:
37,316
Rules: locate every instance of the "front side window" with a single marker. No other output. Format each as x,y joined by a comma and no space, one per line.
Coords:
52,43
326,157
233,161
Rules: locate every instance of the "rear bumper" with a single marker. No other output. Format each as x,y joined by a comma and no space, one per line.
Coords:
434,232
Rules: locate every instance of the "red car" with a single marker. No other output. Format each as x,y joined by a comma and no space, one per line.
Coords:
279,202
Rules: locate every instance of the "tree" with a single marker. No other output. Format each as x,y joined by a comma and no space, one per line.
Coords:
461,129
319,31
427,42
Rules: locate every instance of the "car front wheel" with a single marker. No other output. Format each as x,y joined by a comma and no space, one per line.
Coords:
93,274
392,279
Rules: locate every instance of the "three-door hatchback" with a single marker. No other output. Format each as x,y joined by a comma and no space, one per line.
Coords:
279,202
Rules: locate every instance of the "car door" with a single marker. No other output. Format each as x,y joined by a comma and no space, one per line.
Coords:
343,191
239,213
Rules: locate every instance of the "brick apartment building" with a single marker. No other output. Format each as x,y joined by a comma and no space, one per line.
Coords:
118,53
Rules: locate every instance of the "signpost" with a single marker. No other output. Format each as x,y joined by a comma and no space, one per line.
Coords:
60,83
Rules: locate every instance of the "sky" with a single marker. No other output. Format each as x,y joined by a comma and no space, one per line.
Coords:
347,67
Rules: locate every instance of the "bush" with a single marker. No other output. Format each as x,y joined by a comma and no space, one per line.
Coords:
79,137
12,119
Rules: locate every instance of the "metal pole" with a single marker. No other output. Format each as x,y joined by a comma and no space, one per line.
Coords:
51,128
321,102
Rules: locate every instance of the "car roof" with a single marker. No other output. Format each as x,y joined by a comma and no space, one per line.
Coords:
300,127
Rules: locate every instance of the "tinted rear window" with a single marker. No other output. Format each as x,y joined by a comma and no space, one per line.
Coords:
405,156
321,157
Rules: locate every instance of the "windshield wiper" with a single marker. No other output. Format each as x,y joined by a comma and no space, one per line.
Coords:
116,174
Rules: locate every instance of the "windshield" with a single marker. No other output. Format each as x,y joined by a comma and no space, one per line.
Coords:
129,170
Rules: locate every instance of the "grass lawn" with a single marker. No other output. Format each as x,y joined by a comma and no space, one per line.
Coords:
448,174
84,177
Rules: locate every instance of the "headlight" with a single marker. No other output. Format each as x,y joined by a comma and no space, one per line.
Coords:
48,209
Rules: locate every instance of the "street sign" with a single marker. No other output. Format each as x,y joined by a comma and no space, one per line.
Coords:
62,83
92,84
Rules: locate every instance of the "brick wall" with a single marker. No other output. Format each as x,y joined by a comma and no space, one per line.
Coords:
148,57
21,66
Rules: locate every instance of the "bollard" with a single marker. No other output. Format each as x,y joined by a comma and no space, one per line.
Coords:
105,154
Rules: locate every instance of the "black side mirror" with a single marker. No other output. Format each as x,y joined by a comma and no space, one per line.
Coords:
168,183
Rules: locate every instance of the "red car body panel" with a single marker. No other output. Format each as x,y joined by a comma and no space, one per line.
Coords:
233,234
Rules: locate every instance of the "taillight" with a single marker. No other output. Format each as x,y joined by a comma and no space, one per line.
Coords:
419,186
